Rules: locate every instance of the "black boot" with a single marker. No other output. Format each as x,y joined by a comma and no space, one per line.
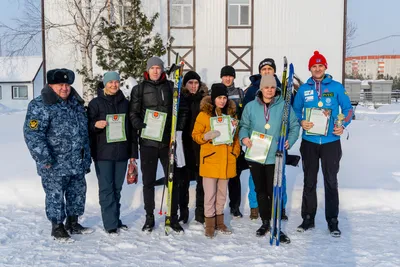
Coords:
122,226
235,212
308,223
199,216
265,227
283,238
74,228
333,227
175,225
59,233
284,217
184,215
149,223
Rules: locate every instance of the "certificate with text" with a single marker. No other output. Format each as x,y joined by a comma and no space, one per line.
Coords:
223,125
320,117
260,147
155,123
115,129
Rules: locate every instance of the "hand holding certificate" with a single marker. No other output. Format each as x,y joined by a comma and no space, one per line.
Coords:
155,123
115,129
222,124
320,118
260,144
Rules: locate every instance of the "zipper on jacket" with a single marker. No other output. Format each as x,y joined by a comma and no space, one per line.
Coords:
162,95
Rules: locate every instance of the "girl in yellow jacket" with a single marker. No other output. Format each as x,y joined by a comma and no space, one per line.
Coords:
217,162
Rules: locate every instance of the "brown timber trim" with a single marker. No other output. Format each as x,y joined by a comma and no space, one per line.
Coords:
192,48
240,58
228,48
239,27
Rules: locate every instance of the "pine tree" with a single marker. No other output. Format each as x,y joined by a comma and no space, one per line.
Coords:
129,42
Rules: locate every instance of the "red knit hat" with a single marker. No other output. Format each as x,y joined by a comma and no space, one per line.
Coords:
317,58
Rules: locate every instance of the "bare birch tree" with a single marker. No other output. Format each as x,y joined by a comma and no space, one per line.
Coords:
79,29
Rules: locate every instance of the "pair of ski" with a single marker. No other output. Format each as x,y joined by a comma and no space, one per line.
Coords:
176,74
280,158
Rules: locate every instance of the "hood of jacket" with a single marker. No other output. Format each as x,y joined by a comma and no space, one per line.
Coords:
207,107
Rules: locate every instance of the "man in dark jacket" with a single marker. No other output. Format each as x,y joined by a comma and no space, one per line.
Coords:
56,134
228,75
192,93
154,93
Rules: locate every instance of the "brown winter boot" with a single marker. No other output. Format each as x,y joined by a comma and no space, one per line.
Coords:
221,225
254,213
210,227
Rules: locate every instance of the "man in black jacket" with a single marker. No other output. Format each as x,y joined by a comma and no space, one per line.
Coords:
154,93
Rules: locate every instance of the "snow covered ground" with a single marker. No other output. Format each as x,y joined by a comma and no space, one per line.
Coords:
369,182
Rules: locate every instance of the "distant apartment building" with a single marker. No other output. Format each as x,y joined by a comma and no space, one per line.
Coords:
370,67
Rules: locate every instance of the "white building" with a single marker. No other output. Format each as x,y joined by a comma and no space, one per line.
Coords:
21,80
370,67
212,33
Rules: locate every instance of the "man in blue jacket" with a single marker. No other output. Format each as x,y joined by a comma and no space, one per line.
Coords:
56,133
321,91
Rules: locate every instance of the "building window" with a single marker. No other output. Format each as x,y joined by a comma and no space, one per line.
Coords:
238,13
123,14
19,92
181,13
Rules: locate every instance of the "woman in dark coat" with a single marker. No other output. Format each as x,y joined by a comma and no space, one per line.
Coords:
110,153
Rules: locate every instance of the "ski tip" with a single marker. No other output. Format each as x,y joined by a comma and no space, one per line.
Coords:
291,67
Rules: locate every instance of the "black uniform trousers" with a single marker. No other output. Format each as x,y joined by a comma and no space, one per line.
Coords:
263,177
148,164
234,189
330,155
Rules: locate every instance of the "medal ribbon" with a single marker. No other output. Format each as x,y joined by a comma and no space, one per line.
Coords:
318,88
266,112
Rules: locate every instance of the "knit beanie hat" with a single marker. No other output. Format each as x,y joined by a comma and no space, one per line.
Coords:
191,75
267,61
317,58
155,61
110,76
267,81
218,89
228,71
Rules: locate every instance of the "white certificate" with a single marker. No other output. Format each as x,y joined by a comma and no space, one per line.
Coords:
260,147
320,117
115,130
155,123
223,125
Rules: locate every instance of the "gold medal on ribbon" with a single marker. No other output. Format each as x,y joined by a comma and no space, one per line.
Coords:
320,104
267,126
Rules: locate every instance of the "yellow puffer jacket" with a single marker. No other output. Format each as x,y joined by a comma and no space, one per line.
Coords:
215,161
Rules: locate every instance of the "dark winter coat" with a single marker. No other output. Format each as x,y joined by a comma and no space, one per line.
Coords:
191,148
56,134
98,109
251,91
155,95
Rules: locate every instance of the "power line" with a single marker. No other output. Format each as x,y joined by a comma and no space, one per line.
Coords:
377,40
